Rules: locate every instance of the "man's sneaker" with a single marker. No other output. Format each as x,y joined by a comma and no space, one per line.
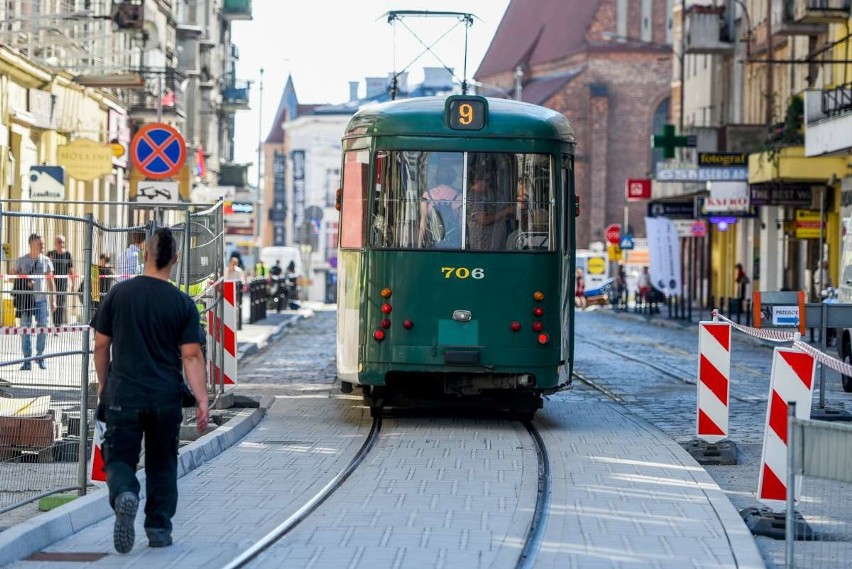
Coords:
158,537
124,534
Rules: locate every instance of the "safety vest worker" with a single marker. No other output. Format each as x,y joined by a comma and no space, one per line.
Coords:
261,271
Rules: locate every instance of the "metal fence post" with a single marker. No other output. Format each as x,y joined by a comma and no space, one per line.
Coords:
789,522
82,462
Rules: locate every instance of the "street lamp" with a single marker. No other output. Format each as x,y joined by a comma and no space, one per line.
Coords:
259,200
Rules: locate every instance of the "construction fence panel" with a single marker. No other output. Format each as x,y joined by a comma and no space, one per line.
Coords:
44,409
821,462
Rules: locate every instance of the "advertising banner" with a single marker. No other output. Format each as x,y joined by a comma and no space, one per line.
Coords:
664,253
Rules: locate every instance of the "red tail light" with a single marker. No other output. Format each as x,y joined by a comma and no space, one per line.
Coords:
543,339
516,326
407,324
386,308
385,323
379,335
538,311
537,326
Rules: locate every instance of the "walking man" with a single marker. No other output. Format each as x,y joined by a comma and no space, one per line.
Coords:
146,330
63,270
38,270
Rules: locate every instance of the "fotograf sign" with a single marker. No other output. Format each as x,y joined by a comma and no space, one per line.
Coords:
84,159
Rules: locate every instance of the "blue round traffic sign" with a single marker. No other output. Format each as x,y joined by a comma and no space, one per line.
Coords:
158,151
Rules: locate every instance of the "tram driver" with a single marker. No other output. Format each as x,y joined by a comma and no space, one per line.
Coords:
491,210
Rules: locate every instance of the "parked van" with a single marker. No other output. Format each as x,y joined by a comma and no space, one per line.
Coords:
269,255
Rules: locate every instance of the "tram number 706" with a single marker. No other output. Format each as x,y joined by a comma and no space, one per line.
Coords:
463,273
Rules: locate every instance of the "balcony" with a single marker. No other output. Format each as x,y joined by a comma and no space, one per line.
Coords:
820,11
162,93
706,30
828,120
237,10
784,22
235,97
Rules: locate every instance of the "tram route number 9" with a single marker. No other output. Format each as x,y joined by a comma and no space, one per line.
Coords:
467,113
463,273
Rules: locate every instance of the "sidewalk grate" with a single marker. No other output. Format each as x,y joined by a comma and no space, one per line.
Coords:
78,556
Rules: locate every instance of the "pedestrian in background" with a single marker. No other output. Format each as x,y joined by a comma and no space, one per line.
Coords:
741,281
621,287
579,289
146,333
63,273
132,259
644,285
38,270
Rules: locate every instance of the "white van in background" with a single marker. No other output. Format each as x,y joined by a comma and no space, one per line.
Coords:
269,255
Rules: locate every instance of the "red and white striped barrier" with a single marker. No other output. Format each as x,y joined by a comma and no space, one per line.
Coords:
224,332
714,374
96,459
27,330
792,379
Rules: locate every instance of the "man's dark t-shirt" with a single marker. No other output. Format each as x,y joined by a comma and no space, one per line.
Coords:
148,319
62,264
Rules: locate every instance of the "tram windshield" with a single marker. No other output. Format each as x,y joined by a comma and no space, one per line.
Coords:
480,201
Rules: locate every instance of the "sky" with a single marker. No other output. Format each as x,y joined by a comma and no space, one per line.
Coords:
324,44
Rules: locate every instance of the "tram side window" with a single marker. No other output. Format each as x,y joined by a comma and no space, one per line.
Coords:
355,167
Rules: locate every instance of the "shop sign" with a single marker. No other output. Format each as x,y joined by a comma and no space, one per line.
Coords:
701,209
84,159
788,194
681,210
674,172
727,197
722,160
809,224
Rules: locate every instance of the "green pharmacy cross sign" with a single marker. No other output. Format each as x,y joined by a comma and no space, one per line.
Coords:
668,141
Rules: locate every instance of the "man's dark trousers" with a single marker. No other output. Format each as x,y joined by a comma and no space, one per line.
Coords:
122,445
61,291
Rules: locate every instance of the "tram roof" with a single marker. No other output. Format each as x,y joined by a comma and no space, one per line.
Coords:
424,116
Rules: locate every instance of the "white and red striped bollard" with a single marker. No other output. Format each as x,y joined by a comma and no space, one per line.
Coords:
792,379
229,335
223,332
714,375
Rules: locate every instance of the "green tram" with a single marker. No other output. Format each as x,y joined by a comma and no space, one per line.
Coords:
456,253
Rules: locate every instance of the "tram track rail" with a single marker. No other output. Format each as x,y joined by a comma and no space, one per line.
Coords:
285,527
532,540
538,524
666,372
